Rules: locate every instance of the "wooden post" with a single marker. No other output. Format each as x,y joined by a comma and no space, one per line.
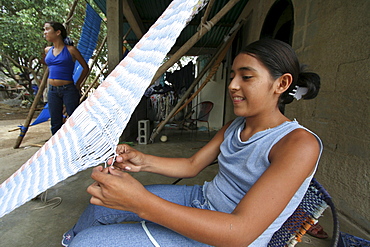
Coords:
32,109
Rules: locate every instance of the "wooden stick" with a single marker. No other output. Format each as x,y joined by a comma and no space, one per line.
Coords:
84,96
208,78
187,93
11,130
36,145
33,108
70,15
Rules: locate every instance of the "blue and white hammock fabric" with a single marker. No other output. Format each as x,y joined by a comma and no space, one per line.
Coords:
90,136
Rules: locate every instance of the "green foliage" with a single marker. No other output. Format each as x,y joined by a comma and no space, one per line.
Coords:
21,25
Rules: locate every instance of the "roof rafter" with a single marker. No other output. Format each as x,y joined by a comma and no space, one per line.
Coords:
197,36
133,18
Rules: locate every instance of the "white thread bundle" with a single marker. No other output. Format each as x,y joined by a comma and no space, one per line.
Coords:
91,134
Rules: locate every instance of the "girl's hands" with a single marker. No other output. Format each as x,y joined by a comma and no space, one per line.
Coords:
115,189
128,159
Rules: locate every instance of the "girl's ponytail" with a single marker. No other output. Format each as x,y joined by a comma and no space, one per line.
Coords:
68,41
311,81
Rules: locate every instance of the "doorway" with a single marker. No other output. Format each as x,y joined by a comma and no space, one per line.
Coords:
279,22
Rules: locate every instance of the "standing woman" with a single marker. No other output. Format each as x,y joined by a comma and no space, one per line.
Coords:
60,59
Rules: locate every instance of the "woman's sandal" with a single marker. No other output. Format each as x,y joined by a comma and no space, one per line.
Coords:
317,231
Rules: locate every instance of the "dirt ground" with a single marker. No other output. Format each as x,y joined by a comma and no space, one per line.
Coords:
11,112
11,116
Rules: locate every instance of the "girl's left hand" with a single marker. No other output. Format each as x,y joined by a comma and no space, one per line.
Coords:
116,189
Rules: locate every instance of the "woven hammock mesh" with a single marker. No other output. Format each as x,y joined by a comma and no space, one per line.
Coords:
91,134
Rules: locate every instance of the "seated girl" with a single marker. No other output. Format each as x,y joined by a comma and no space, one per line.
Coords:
266,162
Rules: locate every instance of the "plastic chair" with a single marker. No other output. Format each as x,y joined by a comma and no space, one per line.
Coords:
204,109
312,206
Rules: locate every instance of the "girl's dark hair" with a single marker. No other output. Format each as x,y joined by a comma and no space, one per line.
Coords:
280,58
57,26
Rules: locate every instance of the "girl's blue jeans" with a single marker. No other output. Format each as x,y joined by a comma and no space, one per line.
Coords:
57,96
100,226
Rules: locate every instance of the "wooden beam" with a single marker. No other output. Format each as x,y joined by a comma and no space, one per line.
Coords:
212,65
161,125
127,33
214,62
208,10
195,51
115,33
194,39
133,18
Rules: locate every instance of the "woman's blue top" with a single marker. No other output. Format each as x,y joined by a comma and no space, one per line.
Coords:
61,67
241,164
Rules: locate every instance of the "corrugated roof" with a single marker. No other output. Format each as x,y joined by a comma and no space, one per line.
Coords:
150,10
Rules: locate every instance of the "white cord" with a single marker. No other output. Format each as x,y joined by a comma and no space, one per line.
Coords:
114,159
150,236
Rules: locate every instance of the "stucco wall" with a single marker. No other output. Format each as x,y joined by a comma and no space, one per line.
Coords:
332,37
214,91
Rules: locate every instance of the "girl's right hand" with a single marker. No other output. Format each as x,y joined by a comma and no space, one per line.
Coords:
128,159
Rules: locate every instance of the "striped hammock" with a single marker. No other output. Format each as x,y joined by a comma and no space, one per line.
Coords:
92,133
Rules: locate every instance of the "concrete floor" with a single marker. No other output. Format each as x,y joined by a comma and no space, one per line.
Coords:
29,226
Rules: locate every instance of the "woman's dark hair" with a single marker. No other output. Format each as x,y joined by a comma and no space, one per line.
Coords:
280,58
57,26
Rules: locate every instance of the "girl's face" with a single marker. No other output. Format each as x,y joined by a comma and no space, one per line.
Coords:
251,88
49,33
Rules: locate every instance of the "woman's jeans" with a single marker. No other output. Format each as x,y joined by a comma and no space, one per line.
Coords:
100,226
57,96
